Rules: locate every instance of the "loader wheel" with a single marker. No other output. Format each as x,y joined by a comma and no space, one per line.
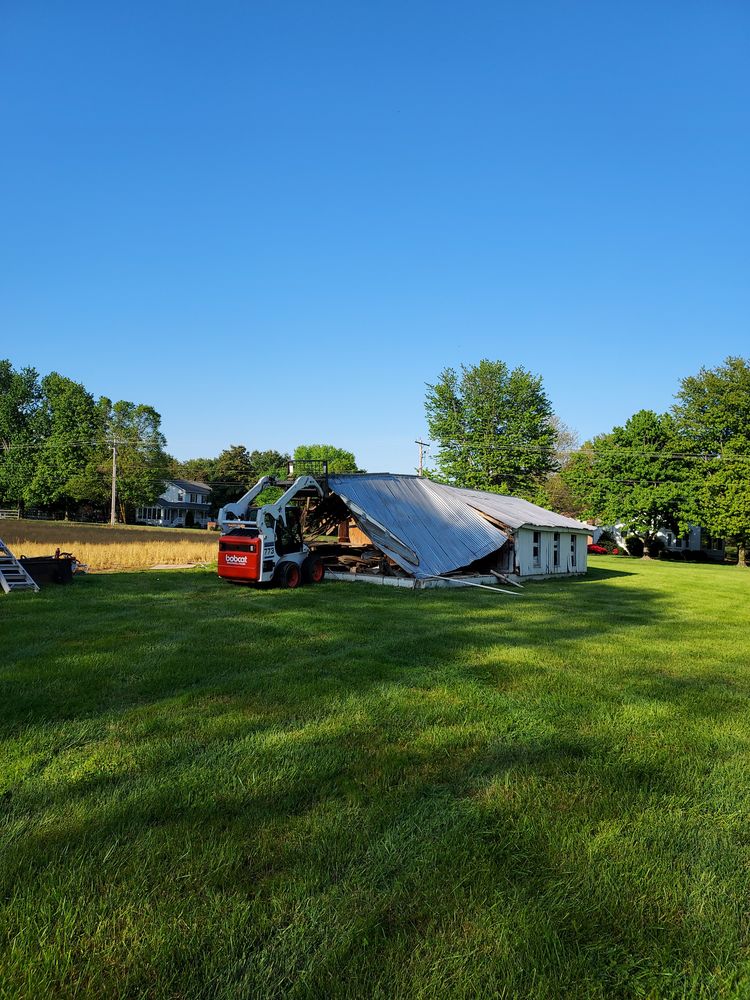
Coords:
289,575
313,569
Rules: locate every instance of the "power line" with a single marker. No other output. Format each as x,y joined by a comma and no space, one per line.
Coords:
703,456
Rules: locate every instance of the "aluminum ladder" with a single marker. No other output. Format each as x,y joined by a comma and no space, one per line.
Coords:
12,574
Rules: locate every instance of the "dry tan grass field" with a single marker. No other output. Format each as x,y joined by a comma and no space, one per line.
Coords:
104,546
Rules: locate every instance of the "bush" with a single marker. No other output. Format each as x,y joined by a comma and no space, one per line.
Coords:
606,541
656,547
699,556
634,545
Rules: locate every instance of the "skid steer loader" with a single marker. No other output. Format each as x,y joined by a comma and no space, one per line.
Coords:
264,544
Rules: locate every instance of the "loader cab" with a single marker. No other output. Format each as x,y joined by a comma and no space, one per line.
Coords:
289,536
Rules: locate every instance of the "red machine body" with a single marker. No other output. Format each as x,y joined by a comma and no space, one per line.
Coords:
240,556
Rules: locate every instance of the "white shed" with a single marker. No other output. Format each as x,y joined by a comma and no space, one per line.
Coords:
430,529
544,543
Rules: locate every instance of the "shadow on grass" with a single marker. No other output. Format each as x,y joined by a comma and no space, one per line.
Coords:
374,763
114,642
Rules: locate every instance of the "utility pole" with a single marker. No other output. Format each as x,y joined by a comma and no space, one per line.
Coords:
113,511
423,447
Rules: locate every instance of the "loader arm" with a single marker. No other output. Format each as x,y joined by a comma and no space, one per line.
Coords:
233,514
237,511
278,509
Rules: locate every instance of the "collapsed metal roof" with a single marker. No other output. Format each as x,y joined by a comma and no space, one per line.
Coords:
512,511
426,532
430,529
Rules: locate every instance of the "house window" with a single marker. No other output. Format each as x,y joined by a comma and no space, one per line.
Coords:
556,549
536,550
180,495
572,550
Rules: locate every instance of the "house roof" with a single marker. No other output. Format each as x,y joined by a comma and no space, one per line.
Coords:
189,484
427,532
512,511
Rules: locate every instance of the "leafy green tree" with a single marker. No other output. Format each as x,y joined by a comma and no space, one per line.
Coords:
236,469
634,476
142,462
339,460
232,472
713,413
493,427
268,463
20,394
68,425
199,470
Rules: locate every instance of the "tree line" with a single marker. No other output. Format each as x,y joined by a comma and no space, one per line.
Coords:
236,468
57,441
495,430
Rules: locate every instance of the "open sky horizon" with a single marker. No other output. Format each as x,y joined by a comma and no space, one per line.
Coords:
277,223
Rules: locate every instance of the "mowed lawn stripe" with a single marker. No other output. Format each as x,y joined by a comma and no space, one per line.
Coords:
348,791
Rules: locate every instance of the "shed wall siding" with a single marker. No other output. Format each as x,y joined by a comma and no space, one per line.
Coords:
524,539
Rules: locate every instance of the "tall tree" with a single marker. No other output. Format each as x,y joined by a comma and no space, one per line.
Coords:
68,425
20,395
634,476
200,470
236,469
268,462
142,463
713,413
339,459
493,427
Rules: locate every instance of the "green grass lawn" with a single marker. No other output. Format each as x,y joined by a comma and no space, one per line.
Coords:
351,791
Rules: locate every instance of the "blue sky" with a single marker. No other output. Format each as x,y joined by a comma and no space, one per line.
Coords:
275,222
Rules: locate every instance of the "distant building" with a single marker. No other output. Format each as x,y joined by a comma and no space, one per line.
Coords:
696,539
182,504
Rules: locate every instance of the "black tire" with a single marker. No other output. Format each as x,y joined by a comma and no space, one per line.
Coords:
289,575
313,569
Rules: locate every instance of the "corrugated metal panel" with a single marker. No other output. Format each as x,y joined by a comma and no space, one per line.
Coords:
512,510
441,530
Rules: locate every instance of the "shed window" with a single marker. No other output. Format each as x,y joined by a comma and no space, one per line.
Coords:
536,549
572,550
556,549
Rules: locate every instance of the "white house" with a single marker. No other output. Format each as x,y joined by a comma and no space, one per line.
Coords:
695,539
183,503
